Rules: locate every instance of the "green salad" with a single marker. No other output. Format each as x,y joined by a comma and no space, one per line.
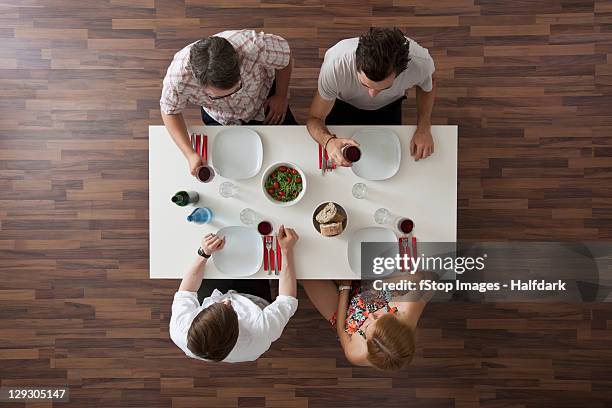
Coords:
284,184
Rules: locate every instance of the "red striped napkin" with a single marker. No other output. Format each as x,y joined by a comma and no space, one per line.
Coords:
326,158
265,254
200,145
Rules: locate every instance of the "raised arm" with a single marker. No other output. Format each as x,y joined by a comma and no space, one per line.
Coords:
287,284
277,104
422,144
319,109
351,349
175,123
194,275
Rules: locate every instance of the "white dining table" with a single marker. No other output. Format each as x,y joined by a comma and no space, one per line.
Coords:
424,191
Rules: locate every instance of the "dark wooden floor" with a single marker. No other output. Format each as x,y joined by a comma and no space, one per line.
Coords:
528,82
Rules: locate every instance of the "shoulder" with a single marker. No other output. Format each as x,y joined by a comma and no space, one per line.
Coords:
178,70
356,351
339,62
343,52
419,56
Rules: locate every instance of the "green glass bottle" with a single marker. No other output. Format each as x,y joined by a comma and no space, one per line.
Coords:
184,198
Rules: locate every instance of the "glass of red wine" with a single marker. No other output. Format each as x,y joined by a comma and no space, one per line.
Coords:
264,227
405,225
351,153
205,174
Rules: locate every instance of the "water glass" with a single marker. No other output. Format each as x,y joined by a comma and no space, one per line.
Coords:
249,217
382,216
359,190
227,189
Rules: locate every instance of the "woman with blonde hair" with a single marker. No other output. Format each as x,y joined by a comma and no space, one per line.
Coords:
375,327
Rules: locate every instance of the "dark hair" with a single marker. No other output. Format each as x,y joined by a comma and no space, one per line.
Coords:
391,345
214,61
214,332
382,52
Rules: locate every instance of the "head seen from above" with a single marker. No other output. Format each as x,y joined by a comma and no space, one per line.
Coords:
382,54
214,332
390,343
214,62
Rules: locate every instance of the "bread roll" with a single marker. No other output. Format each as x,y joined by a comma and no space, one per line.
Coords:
328,214
331,229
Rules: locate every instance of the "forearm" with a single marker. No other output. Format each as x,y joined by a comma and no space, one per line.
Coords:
283,77
318,131
287,284
425,103
194,275
178,131
341,312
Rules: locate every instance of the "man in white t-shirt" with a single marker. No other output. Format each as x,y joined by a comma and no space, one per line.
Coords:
364,80
241,324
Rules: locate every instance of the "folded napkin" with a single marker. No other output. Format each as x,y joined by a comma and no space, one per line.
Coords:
200,145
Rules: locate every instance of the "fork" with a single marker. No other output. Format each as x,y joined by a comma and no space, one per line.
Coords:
269,247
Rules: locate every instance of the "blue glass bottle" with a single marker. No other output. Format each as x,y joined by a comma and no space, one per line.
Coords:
200,215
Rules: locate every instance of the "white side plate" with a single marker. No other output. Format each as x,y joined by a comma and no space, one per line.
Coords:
381,154
369,234
242,254
237,153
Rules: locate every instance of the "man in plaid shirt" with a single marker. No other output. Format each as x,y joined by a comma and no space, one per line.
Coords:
236,77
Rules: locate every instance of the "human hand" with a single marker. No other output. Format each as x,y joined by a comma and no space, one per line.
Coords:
287,237
345,283
422,144
277,108
212,243
195,161
334,150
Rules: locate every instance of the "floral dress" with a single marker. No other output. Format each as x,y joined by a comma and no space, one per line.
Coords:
362,303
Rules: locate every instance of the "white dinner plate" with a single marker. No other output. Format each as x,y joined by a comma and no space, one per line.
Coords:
242,254
369,234
381,153
237,153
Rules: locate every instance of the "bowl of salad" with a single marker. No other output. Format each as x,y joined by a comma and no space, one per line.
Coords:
283,184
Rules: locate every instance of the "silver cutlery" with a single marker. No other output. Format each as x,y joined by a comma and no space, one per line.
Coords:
269,247
323,163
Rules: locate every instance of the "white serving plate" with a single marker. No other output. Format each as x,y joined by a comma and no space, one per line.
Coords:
237,153
381,154
368,234
242,254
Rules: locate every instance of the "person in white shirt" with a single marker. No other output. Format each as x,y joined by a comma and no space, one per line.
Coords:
237,325
363,81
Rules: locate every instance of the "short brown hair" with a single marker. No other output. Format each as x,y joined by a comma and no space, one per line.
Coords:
214,332
382,52
391,345
214,61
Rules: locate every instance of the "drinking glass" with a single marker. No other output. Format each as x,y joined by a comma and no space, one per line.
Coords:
359,190
249,217
205,173
227,189
383,216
